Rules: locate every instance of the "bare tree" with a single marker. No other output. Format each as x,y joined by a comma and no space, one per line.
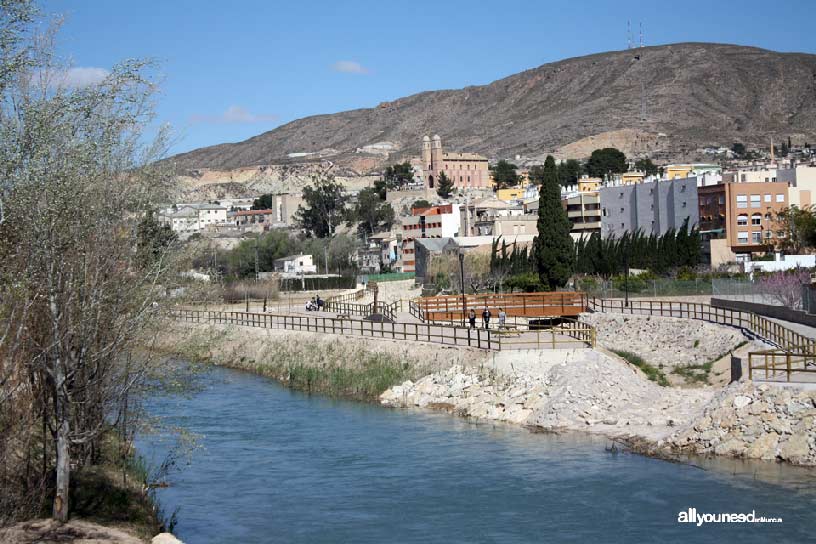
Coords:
78,278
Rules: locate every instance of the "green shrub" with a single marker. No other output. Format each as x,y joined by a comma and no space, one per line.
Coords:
651,372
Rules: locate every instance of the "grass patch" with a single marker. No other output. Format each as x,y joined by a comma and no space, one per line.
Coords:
701,373
695,373
653,373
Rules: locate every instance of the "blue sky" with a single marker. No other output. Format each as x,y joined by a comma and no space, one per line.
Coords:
232,70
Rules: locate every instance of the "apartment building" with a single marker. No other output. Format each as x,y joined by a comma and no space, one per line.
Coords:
652,207
584,211
434,222
194,217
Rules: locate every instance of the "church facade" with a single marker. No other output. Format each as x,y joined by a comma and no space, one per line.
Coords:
464,169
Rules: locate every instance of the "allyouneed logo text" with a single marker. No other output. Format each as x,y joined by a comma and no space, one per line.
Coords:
693,516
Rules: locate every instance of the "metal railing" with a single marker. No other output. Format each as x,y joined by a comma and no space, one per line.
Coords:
348,297
776,363
418,332
762,327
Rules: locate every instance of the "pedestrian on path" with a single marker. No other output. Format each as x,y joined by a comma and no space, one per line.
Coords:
472,319
486,318
502,318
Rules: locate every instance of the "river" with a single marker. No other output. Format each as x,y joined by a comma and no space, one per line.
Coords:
276,465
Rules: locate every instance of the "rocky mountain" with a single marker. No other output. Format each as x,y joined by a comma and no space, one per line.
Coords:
658,101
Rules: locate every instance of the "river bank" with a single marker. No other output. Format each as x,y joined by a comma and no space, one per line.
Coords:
583,390
111,504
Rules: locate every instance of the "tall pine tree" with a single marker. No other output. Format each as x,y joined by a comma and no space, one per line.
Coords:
553,247
445,186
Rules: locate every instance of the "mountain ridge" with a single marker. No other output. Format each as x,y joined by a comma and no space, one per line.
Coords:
694,93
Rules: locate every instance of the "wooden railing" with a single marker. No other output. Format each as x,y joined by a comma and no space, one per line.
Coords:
771,364
450,307
762,327
348,297
363,310
419,332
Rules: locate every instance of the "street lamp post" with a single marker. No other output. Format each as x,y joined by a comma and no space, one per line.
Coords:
462,278
626,278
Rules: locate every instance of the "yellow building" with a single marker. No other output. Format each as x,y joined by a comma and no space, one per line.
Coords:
678,171
512,193
588,185
630,178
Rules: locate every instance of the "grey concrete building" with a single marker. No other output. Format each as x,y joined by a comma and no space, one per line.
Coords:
654,207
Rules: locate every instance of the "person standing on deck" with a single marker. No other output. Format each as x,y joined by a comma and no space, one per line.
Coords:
486,317
502,318
472,318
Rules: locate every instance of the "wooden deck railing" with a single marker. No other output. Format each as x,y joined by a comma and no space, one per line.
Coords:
771,364
762,327
419,332
450,307
566,334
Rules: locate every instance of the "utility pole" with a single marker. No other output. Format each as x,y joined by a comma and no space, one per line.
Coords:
256,258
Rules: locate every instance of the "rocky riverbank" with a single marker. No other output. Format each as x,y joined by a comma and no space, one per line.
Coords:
753,421
584,390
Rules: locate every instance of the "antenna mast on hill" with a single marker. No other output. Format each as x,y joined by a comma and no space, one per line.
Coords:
628,35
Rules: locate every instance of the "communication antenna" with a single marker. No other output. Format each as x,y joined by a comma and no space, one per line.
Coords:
628,35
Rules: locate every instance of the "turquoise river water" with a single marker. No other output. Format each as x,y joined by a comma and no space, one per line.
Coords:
281,466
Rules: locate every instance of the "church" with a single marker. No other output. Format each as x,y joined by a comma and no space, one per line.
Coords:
466,170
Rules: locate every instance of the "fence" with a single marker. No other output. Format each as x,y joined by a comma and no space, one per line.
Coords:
419,332
762,327
348,297
567,334
660,287
454,307
774,363
364,310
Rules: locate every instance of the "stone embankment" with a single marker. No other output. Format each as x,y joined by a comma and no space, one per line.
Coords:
756,421
557,390
48,531
667,341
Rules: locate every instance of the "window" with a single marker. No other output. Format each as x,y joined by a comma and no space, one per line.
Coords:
721,200
682,188
768,234
756,237
756,219
621,210
767,198
742,238
742,177
755,201
742,201
780,198
684,204
742,220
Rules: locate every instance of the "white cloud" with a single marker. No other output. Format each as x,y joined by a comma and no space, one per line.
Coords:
234,114
349,67
81,76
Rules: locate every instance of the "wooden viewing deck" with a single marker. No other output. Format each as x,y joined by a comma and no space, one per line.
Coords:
450,307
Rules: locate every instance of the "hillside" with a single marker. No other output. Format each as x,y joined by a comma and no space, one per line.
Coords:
694,94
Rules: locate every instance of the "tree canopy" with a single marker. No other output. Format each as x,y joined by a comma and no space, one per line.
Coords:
646,166
371,213
264,202
445,186
325,207
606,161
553,247
504,174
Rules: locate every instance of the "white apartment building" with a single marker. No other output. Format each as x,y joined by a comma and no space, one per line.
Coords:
193,218
434,222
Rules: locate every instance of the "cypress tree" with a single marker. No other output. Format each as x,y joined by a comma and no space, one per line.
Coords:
553,247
